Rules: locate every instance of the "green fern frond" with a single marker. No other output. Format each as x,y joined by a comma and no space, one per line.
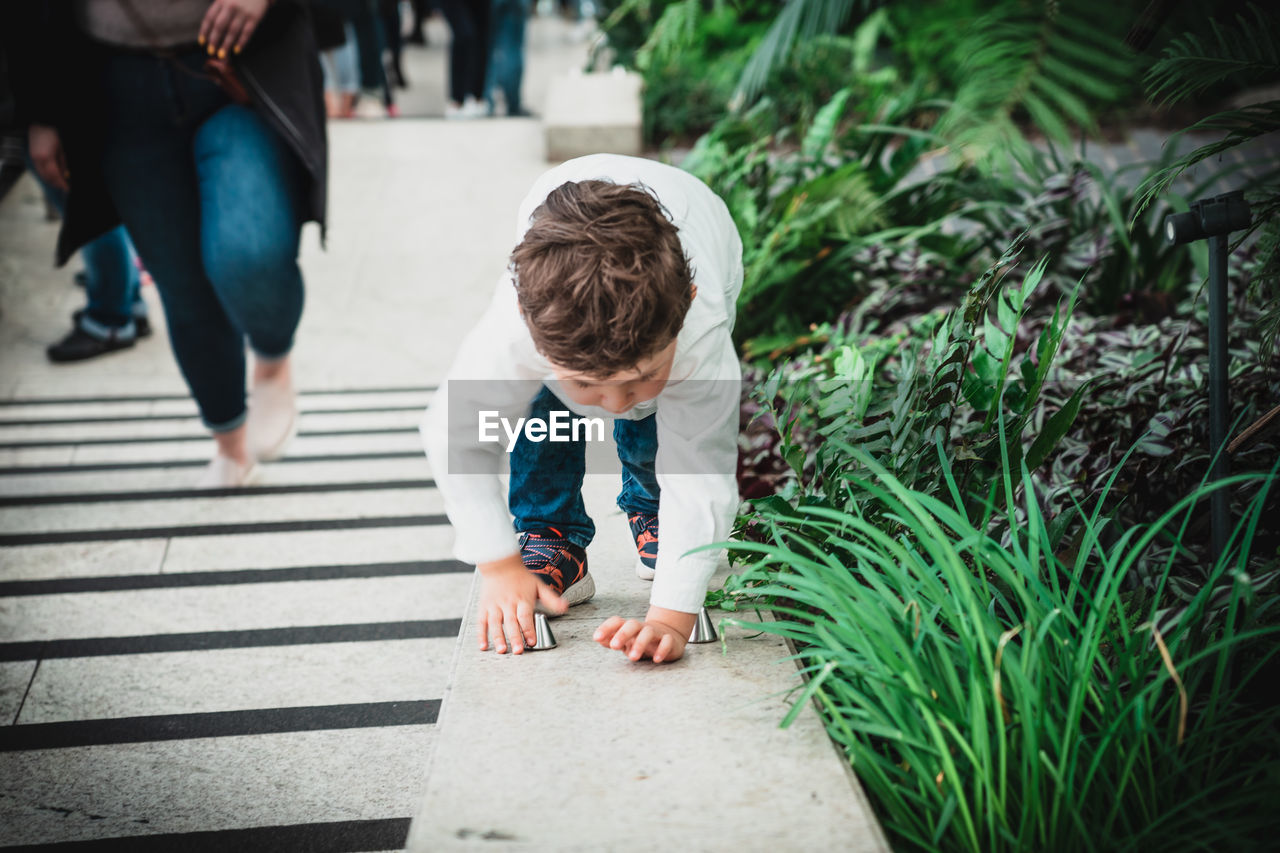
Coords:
675,30
1265,284
1249,50
1047,63
823,130
1239,126
799,19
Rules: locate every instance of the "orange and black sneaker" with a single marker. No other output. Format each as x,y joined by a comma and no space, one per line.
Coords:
644,529
558,563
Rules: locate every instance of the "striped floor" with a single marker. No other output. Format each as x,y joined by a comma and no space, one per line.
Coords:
241,669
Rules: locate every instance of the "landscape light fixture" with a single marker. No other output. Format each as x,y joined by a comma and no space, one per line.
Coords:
1213,219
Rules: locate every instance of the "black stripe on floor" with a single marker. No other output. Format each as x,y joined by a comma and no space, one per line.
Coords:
260,721
180,580
302,395
63,537
204,641
348,836
201,437
200,463
179,494
123,419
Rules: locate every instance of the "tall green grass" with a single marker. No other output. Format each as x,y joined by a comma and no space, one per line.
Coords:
996,694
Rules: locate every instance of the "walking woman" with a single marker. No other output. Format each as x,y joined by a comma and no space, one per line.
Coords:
199,124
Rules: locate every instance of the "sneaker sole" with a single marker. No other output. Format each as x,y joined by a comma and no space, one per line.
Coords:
579,593
642,571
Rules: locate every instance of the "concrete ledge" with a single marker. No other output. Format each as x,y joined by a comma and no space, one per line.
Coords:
593,113
578,749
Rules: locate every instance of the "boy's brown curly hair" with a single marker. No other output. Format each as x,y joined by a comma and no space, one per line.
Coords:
601,277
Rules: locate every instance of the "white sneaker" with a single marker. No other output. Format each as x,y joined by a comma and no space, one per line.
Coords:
369,108
273,419
470,108
223,472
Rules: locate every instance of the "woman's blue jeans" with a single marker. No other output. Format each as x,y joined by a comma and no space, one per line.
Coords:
212,198
506,61
113,287
546,477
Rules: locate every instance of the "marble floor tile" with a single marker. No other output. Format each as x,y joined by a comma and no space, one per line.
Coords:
229,608
15,676
211,783
29,457
309,548
189,427
81,559
231,679
17,486
246,509
203,448
24,411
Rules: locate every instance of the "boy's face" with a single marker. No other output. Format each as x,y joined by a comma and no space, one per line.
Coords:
623,390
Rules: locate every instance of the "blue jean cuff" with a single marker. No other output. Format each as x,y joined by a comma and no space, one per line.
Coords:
576,539
105,332
649,507
234,423
269,357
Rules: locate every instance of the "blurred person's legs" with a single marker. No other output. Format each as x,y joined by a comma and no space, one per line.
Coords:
211,196
506,62
389,12
115,315
468,56
417,32
341,67
371,41
252,208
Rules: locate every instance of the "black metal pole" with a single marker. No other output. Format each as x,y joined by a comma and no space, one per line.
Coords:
1218,412
1213,219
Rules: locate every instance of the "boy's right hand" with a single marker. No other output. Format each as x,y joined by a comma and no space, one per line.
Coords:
508,595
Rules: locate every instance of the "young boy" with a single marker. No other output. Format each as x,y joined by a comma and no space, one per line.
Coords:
618,303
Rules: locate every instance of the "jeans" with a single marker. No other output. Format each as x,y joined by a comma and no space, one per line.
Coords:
113,286
506,60
546,476
213,200
341,65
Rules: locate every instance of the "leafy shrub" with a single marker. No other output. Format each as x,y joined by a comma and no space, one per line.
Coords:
967,379
997,694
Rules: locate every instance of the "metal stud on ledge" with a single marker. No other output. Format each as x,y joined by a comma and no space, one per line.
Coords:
544,638
704,630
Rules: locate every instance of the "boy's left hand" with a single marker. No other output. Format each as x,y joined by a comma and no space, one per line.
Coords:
661,636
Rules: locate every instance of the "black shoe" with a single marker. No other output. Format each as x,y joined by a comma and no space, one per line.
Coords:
141,325
80,345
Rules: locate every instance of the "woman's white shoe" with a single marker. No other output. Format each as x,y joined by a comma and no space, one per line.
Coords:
223,472
273,419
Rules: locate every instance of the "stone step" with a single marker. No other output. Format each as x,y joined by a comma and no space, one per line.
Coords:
593,114
577,748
